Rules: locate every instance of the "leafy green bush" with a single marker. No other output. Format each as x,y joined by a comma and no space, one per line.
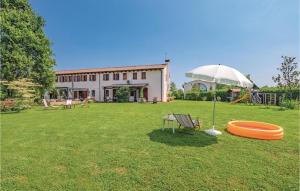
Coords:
22,92
178,94
207,95
222,95
3,107
122,94
15,105
192,95
288,93
204,98
289,104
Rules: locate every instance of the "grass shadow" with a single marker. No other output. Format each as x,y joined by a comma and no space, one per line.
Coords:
9,112
48,109
198,139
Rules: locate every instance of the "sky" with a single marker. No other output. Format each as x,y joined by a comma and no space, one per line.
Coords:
249,35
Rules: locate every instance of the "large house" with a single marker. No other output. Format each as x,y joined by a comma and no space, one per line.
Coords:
202,85
101,84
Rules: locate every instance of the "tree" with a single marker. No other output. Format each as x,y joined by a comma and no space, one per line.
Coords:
248,76
23,92
122,94
179,94
25,50
289,75
173,89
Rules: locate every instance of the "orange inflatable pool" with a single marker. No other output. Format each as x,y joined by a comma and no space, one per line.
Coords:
255,129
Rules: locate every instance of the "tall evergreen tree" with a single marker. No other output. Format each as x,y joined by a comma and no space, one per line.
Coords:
25,50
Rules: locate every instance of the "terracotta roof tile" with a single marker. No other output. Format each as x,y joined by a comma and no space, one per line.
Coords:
112,69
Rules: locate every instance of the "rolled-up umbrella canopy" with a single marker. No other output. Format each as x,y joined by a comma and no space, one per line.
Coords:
219,74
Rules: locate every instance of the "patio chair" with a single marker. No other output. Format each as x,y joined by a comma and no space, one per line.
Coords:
131,98
154,101
46,106
68,104
186,121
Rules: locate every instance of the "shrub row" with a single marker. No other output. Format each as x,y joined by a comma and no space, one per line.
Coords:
287,93
222,95
178,94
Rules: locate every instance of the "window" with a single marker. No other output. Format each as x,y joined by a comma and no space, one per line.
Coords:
203,87
78,78
105,77
106,93
143,75
85,78
124,76
70,78
134,76
93,93
116,76
56,79
92,77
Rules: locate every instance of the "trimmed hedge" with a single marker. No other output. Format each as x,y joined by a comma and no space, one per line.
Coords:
287,93
222,95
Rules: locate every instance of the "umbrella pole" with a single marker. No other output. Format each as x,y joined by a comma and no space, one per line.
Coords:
214,109
212,131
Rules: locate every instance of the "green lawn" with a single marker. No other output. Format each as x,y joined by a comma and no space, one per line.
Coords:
121,147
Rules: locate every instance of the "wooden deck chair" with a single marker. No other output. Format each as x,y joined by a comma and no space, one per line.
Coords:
186,121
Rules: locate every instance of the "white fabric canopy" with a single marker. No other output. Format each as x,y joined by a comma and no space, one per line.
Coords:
220,74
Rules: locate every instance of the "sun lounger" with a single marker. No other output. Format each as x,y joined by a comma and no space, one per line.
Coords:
186,121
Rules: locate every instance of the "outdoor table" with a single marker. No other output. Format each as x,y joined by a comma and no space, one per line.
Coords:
169,118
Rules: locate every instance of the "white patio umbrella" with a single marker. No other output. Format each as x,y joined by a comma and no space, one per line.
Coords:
219,74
